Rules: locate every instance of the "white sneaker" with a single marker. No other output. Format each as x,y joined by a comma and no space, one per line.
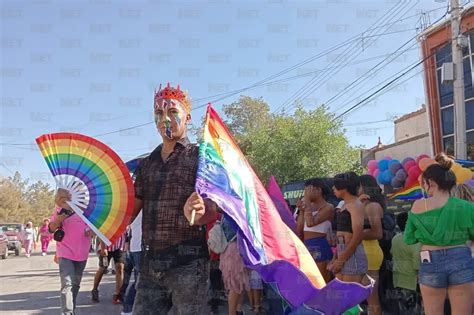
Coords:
43,253
122,313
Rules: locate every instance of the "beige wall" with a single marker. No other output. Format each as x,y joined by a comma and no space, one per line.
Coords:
408,149
414,126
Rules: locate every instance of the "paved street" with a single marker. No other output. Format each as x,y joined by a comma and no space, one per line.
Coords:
31,286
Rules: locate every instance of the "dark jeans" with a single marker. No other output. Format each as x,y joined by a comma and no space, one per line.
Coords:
132,264
71,275
181,290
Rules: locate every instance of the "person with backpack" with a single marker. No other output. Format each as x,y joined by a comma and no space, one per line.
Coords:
223,240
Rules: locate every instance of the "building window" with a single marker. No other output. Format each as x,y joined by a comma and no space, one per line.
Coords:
468,91
443,54
470,145
470,114
445,92
447,120
446,100
448,145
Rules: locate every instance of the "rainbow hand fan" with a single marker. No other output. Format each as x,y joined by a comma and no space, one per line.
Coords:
99,182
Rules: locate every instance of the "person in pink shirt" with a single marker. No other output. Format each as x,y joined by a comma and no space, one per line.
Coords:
45,236
72,250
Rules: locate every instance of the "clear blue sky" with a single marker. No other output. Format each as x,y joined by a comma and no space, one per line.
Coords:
92,66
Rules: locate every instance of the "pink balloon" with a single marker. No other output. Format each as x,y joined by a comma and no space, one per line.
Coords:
372,164
414,172
370,172
420,157
409,165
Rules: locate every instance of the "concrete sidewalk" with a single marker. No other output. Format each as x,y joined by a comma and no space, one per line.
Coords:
31,286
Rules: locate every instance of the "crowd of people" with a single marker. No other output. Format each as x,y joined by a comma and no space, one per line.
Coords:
348,241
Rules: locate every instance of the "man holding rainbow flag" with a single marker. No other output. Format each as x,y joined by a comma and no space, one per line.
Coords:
175,265
176,182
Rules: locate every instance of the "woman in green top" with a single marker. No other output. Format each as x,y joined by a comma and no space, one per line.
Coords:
443,224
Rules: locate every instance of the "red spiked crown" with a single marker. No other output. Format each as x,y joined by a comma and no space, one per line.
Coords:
174,93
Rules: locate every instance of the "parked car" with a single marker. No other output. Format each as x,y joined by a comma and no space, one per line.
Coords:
3,245
14,233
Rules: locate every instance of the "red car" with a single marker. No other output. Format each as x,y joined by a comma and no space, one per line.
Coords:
3,245
14,233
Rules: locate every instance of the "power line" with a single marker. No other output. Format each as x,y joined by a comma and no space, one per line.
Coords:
264,81
123,129
374,69
355,38
383,87
5,167
150,122
318,56
407,79
316,82
365,100
367,122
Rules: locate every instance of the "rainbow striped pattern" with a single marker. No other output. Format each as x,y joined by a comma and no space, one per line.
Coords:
409,193
266,243
76,161
280,203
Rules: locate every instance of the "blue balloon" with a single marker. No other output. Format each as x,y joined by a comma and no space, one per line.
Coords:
383,165
401,174
393,162
394,166
380,178
396,183
387,177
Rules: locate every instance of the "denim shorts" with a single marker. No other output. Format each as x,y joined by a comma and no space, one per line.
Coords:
447,267
319,248
255,280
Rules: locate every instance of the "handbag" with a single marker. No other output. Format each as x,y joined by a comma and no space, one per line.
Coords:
217,240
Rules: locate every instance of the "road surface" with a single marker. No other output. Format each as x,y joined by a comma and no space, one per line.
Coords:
31,286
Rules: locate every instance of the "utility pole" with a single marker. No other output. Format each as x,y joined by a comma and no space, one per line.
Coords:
460,150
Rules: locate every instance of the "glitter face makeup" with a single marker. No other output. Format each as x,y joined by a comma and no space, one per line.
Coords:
168,114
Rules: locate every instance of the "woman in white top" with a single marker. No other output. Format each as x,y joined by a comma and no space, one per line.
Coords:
28,238
314,220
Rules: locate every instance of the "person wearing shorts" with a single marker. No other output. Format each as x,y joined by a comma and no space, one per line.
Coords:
350,265
373,200
443,224
314,222
106,254
255,292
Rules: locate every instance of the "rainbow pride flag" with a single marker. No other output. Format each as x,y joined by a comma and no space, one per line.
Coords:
409,193
266,243
280,203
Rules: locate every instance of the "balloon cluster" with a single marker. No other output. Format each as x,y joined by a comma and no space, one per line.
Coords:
407,172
